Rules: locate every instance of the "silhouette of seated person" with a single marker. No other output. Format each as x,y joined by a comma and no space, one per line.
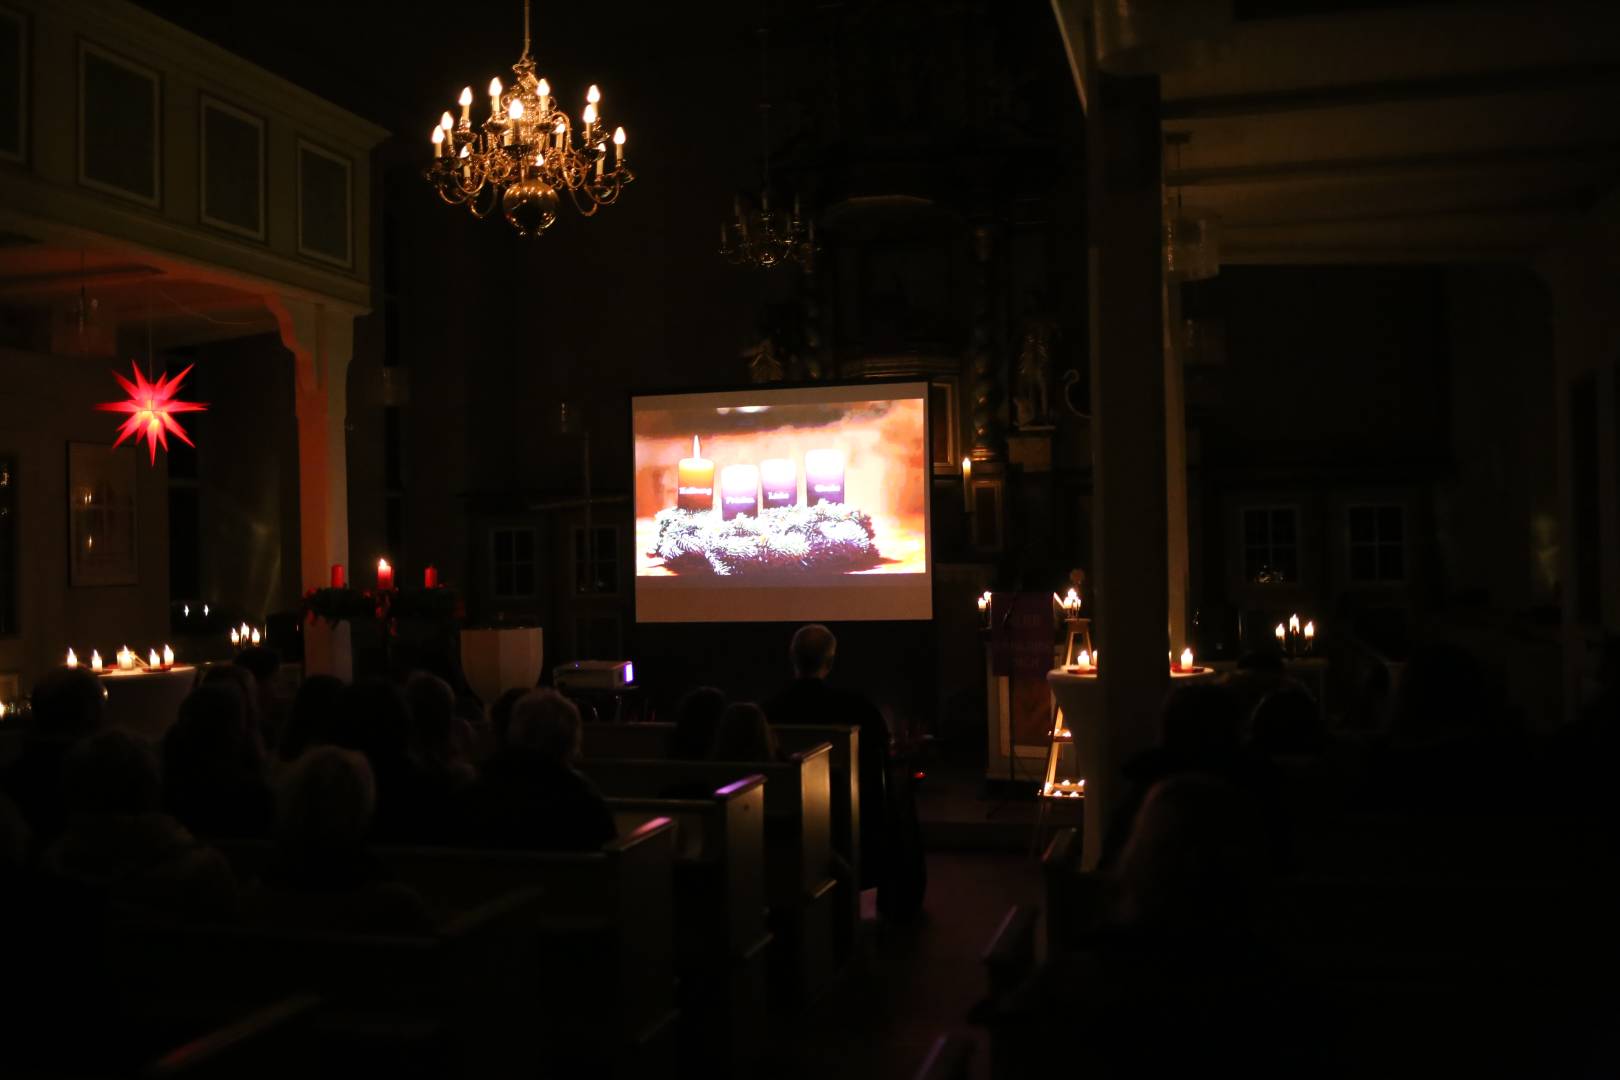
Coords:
68,707
438,741
529,795
744,734
212,780
697,718
1446,742
313,719
1171,979
242,681
500,716
323,876
811,699
1200,731
118,841
374,719
264,663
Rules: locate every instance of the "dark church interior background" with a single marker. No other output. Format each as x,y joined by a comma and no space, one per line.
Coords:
1294,311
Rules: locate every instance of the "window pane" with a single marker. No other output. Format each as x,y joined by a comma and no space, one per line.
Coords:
1363,563
1391,562
232,170
503,546
1391,524
1286,560
120,126
503,579
1282,527
1256,529
323,206
1254,561
1363,526
524,545
523,580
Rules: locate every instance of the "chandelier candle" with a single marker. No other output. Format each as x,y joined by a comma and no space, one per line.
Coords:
823,477
779,481
739,491
695,481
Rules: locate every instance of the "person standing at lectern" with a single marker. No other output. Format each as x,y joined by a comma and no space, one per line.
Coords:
809,699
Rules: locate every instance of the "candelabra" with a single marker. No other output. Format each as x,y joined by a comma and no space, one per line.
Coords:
766,238
526,154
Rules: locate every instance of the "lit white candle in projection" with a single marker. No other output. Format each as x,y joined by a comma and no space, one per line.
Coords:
823,477
779,481
739,491
695,481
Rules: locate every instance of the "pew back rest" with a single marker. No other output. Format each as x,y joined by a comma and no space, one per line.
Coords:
721,854
797,804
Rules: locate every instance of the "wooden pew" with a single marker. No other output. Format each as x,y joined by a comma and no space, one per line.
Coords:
445,1004
721,937
800,889
266,1044
604,919
644,741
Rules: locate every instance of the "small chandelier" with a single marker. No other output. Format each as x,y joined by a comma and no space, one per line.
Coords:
527,154
757,236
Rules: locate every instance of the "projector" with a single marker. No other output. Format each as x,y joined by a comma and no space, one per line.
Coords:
594,675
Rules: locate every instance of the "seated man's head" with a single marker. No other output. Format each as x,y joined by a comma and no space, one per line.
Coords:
68,704
546,721
326,800
111,773
813,650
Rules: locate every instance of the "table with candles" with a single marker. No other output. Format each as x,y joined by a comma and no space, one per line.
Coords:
143,695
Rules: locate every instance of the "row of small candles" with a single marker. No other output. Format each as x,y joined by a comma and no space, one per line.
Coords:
126,660
385,576
245,636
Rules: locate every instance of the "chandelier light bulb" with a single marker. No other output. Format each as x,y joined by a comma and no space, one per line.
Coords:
544,88
495,88
590,114
464,152
618,136
593,95
466,96
438,137
515,110
561,127
447,121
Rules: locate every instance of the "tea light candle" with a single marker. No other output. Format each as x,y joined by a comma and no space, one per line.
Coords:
1084,661
695,481
72,659
95,660
430,578
780,481
337,575
152,659
168,657
739,491
126,659
1186,660
823,476
385,576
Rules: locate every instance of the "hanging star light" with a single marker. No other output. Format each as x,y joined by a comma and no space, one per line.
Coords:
151,406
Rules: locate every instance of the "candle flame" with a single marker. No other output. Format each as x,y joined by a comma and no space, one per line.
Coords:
95,660
152,659
236,636
168,656
72,659
1293,624
1186,659
382,565
695,452
1281,632
255,636
1085,659
1310,629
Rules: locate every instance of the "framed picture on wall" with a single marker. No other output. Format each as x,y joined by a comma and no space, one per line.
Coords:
101,516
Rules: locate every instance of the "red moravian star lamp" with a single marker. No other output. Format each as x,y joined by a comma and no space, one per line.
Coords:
151,407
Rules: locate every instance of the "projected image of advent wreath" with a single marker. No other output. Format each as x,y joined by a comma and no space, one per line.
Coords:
779,487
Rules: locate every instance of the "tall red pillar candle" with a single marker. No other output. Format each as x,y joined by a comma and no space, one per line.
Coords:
385,576
430,578
337,575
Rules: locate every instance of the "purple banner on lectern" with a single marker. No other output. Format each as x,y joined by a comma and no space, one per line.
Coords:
1021,648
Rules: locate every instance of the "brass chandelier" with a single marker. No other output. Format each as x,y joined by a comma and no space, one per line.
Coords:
526,154
757,236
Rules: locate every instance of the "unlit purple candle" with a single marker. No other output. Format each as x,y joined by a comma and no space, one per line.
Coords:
824,476
739,491
779,481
